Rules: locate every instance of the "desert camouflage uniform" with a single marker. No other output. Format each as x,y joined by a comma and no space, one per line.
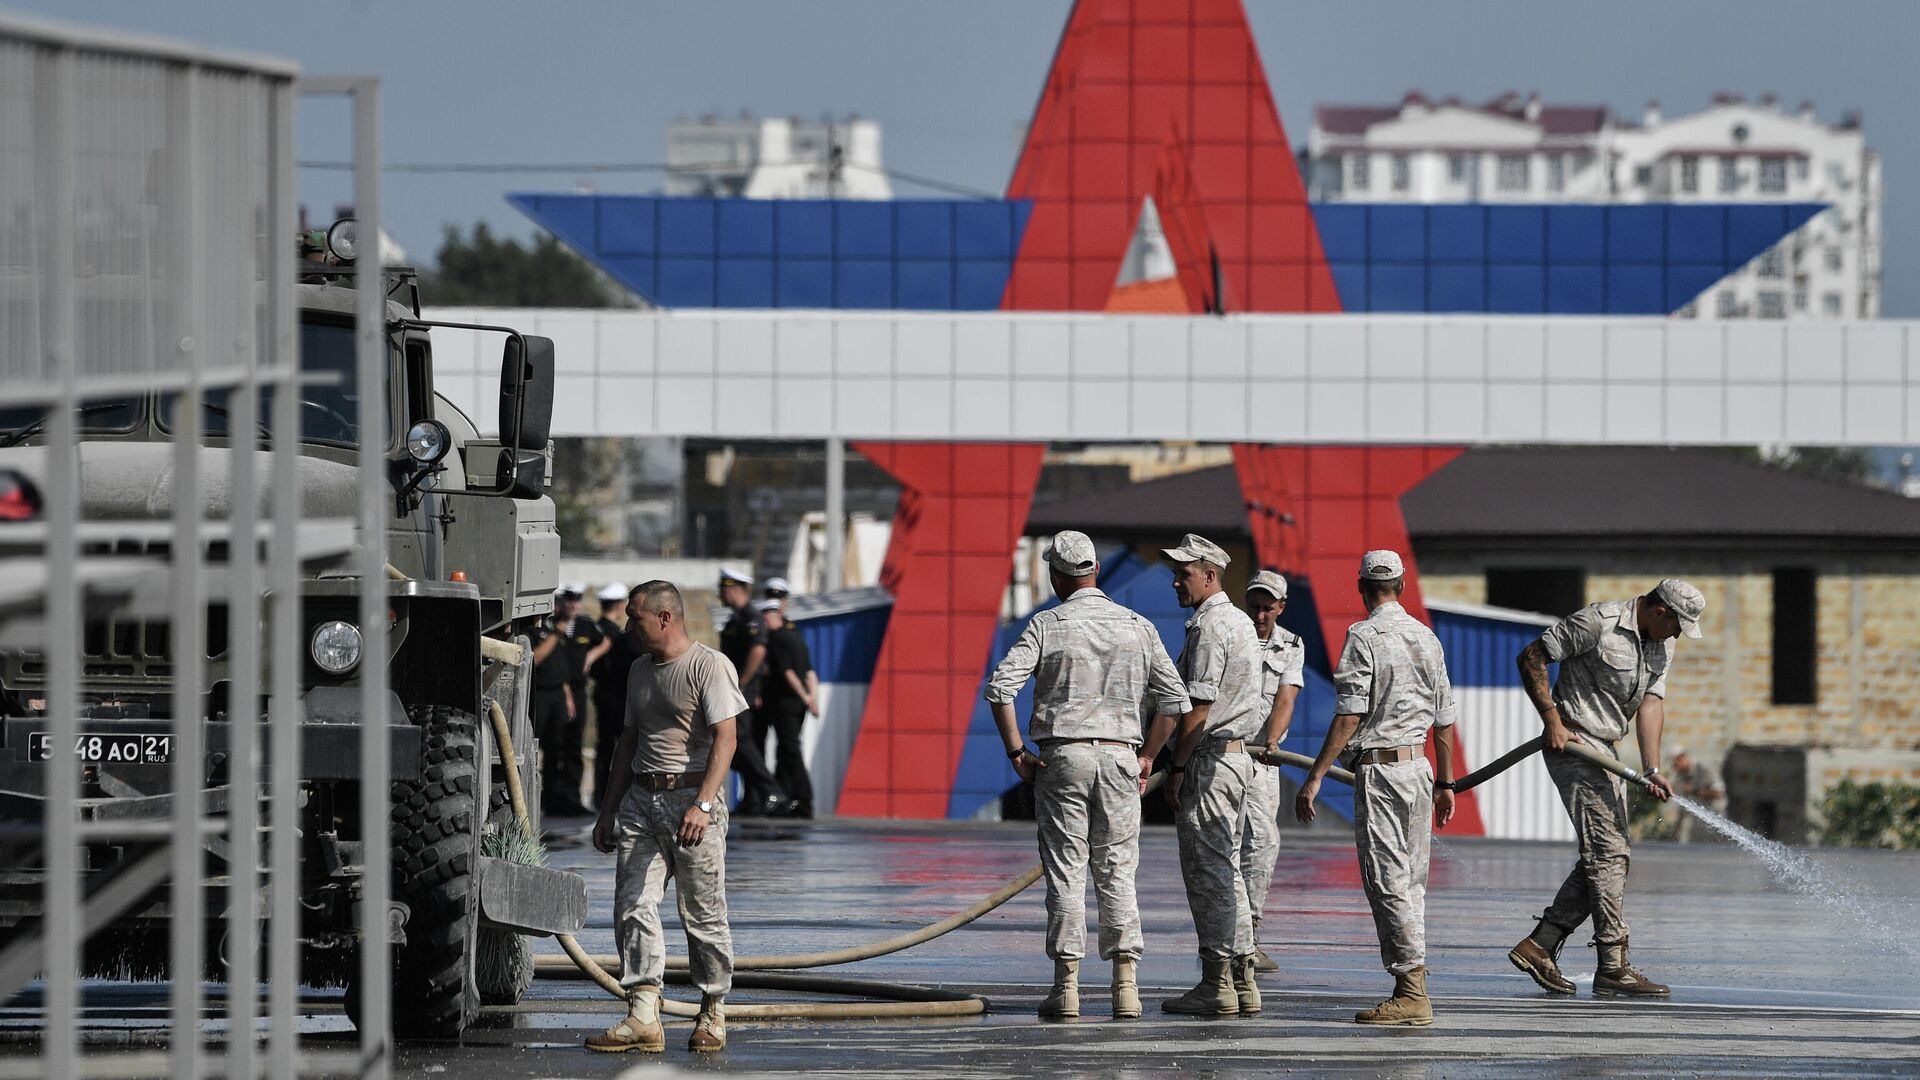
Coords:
1219,664
648,835
1099,672
1606,670
1283,660
1393,676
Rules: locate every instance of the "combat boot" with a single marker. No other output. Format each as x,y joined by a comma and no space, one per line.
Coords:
1538,954
1126,991
1064,1002
1214,996
640,1031
709,1027
1617,978
1244,987
1262,963
1408,1007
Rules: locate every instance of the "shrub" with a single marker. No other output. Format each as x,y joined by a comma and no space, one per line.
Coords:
1872,815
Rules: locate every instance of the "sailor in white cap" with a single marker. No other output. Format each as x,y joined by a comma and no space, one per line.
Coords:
1096,665
1209,776
1283,665
610,674
1392,687
560,719
1613,657
743,640
776,588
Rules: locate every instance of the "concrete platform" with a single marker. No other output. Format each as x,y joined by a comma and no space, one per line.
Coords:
1766,982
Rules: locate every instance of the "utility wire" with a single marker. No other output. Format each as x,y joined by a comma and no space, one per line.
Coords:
501,167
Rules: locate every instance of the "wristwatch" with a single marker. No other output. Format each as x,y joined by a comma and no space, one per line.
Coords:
1448,784
706,806
1014,754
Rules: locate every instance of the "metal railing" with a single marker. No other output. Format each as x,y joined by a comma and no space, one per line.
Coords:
146,219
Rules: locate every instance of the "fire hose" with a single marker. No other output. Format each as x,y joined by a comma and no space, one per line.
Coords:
773,972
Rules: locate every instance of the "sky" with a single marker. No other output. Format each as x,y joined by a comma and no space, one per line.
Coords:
951,83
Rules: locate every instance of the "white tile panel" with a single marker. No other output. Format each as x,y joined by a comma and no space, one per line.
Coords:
1457,411
686,345
1336,349
1315,378
623,405
1161,410
1814,413
1816,353
803,345
1159,347
576,348
1220,348
744,347
923,348
1575,351
1041,347
863,408
863,347
802,406
1635,351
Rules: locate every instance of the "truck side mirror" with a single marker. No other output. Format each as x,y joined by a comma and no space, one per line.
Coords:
526,393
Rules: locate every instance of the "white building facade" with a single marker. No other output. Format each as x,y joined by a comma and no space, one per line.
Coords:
776,158
1520,150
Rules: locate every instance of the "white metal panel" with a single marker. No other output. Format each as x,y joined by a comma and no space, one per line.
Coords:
1521,803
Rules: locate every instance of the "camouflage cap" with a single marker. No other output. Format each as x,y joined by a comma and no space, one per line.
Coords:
1270,582
1196,548
1381,565
1684,601
1072,554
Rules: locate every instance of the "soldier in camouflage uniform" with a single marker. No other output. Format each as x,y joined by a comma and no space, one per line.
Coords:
1208,781
1283,658
1392,686
1096,666
1613,659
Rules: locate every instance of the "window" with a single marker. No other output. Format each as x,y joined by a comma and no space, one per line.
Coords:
1690,174
1690,311
1456,168
1402,172
1772,263
1729,176
1726,306
1332,175
1837,174
1795,641
1642,176
1362,165
1830,304
1800,297
1772,304
1773,175
1802,168
1558,591
1556,172
1513,173
1834,259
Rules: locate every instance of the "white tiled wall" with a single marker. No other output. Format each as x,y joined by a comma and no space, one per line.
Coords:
1453,379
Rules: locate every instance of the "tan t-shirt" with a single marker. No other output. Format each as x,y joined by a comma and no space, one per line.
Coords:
675,705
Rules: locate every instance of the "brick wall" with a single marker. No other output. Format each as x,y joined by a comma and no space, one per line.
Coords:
1720,691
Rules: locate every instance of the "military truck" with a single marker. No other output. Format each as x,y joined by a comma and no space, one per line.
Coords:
473,554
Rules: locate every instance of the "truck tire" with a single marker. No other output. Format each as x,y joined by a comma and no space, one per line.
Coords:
437,819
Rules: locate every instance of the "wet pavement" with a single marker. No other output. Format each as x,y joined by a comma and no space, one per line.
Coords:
1766,982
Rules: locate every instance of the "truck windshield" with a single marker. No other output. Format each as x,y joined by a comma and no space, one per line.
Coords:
329,407
22,422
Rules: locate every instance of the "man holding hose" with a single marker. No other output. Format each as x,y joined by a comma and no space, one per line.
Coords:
665,816
1613,659
1095,665
1392,686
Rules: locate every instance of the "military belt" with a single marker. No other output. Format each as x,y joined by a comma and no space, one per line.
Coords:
1386,755
667,781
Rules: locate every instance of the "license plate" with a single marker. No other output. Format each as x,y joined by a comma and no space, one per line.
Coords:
107,749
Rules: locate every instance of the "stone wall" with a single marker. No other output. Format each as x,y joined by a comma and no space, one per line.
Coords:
1720,691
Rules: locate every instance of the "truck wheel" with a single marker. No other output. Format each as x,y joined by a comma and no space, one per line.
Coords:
437,820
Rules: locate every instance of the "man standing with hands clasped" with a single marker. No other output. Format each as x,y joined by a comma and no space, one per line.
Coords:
1392,686
1094,664
665,816
1283,666
1613,659
1207,784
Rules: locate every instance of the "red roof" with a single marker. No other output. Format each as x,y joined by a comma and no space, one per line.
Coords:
1554,119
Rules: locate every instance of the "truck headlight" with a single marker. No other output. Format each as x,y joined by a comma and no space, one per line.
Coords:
335,647
428,441
343,240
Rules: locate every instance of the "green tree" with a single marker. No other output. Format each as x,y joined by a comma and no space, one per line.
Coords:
480,270
1847,463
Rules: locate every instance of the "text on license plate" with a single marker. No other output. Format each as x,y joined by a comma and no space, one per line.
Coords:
106,749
